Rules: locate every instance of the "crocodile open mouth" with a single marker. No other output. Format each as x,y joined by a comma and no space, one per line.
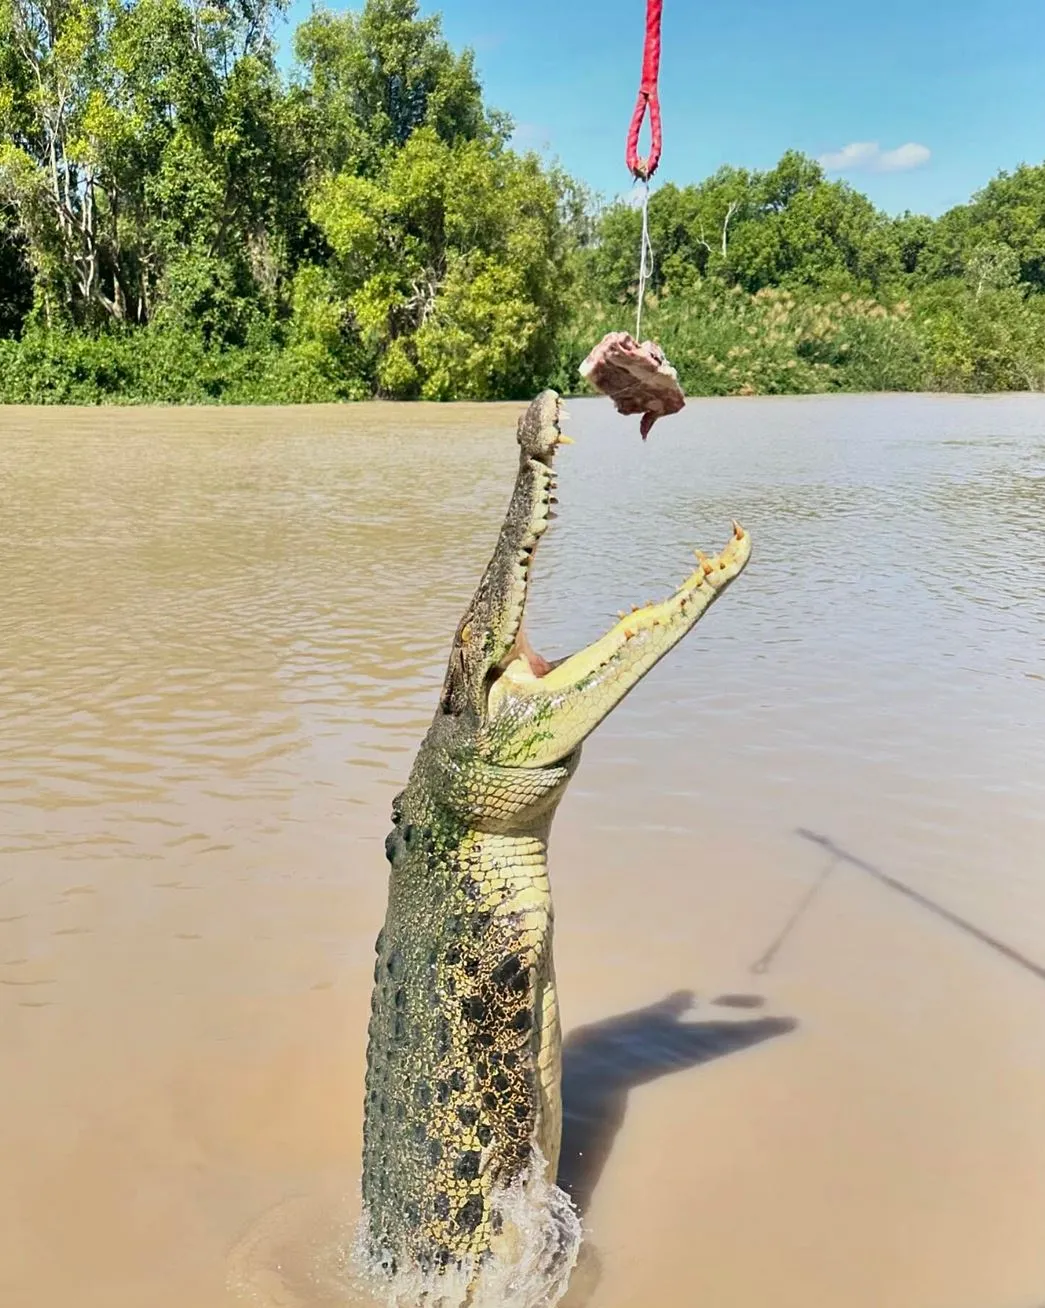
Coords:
538,665
648,623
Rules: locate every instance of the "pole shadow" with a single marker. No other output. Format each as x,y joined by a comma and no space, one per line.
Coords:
601,1063
839,855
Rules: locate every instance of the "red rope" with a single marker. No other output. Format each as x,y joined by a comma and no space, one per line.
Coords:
648,98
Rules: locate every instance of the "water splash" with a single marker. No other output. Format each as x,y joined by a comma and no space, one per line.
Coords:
316,1253
529,1268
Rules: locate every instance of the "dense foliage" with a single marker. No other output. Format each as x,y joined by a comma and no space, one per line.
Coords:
784,281
181,222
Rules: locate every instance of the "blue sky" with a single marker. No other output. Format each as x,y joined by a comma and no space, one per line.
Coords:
917,104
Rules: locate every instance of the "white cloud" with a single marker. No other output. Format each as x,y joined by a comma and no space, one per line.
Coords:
903,157
858,155
868,156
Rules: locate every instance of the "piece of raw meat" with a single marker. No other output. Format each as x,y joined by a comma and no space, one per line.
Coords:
637,378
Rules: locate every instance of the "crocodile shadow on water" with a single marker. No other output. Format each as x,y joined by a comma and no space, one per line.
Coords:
603,1062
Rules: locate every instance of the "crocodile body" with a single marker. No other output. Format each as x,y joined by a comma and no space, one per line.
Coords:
463,1067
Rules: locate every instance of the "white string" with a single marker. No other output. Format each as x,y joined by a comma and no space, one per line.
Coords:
645,260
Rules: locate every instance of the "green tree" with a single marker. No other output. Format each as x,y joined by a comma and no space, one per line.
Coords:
786,227
690,231
1010,211
909,236
805,231
136,136
992,266
993,340
366,82
453,264
16,278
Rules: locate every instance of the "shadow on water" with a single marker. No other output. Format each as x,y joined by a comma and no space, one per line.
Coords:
601,1063
839,855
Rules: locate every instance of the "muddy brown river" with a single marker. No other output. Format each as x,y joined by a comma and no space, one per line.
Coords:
799,877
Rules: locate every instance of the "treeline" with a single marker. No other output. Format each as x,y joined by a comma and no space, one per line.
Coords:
782,281
179,222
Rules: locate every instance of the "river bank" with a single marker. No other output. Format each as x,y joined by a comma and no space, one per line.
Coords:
721,342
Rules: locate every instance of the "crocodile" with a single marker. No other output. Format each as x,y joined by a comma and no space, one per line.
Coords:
462,1098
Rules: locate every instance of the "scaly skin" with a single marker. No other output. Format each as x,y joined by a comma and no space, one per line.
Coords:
463,1064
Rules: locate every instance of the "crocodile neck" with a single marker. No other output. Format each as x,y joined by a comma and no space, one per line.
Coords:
464,1050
